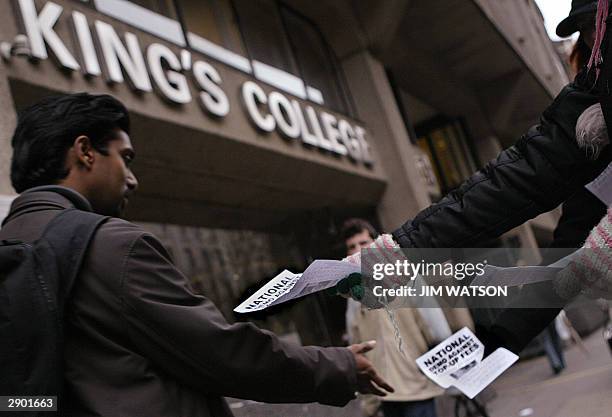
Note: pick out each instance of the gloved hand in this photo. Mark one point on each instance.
(350, 287)
(592, 132)
(384, 249)
(590, 272)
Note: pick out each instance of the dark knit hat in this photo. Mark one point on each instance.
(580, 8)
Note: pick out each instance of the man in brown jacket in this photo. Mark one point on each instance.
(138, 341)
(419, 329)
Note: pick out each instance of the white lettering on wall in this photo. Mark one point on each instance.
(308, 137)
(253, 95)
(349, 139)
(365, 146)
(122, 60)
(292, 121)
(330, 124)
(324, 143)
(284, 114)
(117, 56)
(212, 98)
(172, 83)
(88, 52)
(39, 28)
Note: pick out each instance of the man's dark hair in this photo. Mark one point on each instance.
(352, 227)
(46, 130)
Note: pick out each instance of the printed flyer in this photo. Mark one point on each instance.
(458, 361)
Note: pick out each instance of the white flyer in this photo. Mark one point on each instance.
(319, 276)
(515, 276)
(266, 295)
(521, 275)
(602, 186)
(458, 361)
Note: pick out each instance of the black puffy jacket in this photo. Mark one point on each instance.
(542, 170)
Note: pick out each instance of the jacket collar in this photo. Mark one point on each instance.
(47, 197)
(74, 197)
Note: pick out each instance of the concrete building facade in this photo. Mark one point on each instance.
(260, 125)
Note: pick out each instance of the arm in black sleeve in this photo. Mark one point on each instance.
(538, 173)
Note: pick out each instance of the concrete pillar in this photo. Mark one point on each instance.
(8, 117)
(375, 103)
(8, 120)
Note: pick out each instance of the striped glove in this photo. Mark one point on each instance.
(590, 272)
(383, 250)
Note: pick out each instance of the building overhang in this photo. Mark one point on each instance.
(215, 153)
(455, 56)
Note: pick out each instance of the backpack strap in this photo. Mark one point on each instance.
(69, 235)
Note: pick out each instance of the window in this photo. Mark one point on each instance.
(163, 7)
(278, 36)
(265, 31)
(212, 20)
(264, 34)
(423, 144)
(448, 160)
(315, 59)
(445, 142)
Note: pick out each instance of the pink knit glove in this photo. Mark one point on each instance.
(384, 249)
(590, 272)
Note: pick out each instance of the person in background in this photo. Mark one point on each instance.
(581, 19)
(419, 329)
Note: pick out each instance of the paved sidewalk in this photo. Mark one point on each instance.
(529, 388)
(254, 409)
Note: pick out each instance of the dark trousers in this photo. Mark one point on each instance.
(426, 408)
(553, 348)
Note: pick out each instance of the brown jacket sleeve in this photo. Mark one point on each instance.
(186, 336)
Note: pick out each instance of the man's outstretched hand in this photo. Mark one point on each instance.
(368, 380)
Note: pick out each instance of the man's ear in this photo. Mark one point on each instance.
(84, 152)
